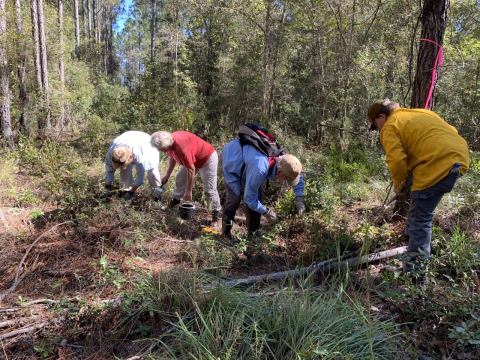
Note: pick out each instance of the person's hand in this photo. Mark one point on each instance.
(271, 217)
(165, 179)
(128, 196)
(188, 196)
(299, 205)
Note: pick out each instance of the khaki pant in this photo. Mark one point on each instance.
(208, 173)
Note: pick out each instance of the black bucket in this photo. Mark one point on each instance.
(187, 211)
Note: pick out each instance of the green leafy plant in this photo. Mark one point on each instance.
(110, 272)
(35, 214)
(43, 349)
(468, 333)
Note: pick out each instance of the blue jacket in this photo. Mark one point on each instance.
(255, 173)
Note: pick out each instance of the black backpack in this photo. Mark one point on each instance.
(261, 139)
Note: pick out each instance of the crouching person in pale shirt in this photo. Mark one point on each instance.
(129, 150)
(246, 166)
(195, 156)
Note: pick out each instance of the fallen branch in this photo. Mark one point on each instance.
(23, 330)
(40, 301)
(325, 267)
(19, 268)
(19, 320)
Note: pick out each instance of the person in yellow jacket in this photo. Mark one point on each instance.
(419, 141)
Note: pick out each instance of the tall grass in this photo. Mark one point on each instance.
(232, 324)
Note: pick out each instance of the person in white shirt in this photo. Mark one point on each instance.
(129, 150)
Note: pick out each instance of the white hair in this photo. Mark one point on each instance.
(162, 140)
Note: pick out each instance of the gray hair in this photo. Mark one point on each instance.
(162, 140)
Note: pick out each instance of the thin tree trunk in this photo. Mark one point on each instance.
(105, 47)
(275, 63)
(4, 91)
(36, 47)
(61, 119)
(434, 16)
(84, 23)
(44, 123)
(265, 60)
(77, 28)
(22, 88)
(153, 30)
(95, 23)
(89, 18)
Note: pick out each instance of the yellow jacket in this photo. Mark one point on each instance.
(422, 142)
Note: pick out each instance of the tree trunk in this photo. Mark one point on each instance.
(4, 91)
(95, 24)
(77, 28)
(22, 88)
(61, 119)
(44, 121)
(153, 30)
(265, 60)
(89, 19)
(433, 17)
(36, 47)
(84, 23)
(273, 80)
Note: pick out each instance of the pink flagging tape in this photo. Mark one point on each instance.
(438, 61)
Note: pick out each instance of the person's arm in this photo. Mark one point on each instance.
(190, 182)
(256, 171)
(171, 166)
(298, 189)
(109, 170)
(396, 156)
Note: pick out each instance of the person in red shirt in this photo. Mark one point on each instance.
(195, 156)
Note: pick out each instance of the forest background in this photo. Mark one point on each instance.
(74, 75)
(194, 65)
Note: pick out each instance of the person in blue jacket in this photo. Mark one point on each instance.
(247, 166)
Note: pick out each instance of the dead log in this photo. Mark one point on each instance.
(324, 267)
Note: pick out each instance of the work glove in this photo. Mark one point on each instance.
(108, 191)
(157, 193)
(128, 196)
(299, 205)
(271, 217)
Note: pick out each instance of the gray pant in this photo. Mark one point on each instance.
(208, 173)
(126, 178)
